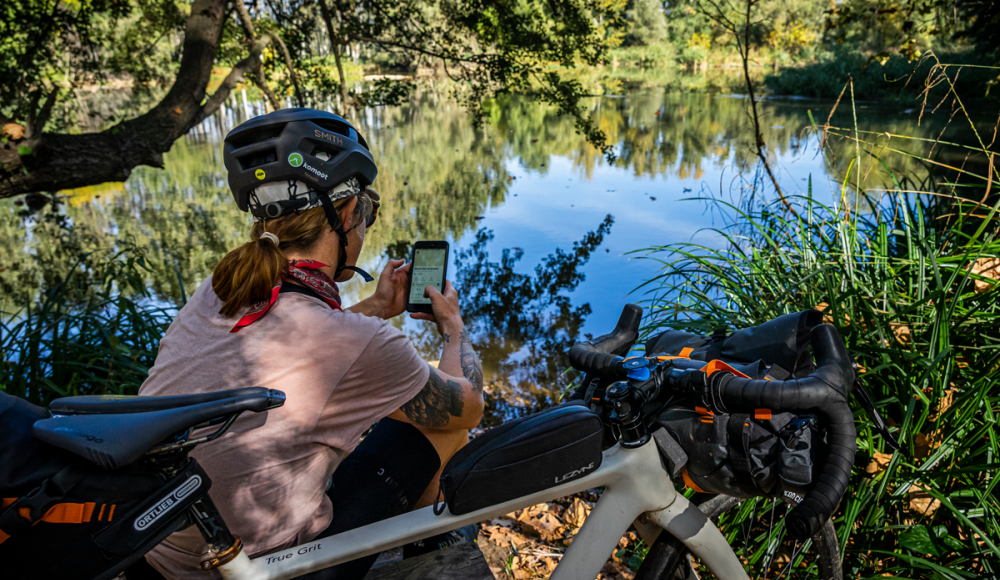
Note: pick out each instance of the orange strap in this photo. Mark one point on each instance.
(62, 513)
(762, 414)
(717, 365)
(690, 483)
(685, 353)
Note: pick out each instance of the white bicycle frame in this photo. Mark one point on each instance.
(636, 485)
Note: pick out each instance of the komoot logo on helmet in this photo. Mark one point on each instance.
(295, 160)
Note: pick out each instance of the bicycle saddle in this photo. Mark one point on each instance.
(113, 432)
(101, 404)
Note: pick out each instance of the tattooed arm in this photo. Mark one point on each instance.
(453, 395)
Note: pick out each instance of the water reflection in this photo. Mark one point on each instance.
(442, 177)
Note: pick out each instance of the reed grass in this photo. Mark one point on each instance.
(94, 333)
(906, 279)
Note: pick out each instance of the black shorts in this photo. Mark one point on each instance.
(382, 478)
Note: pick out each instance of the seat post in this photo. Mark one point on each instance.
(223, 545)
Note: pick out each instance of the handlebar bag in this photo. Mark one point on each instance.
(767, 453)
(84, 522)
(743, 455)
(524, 456)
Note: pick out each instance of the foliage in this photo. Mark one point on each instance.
(894, 79)
(49, 49)
(96, 339)
(647, 25)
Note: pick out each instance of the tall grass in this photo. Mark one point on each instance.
(896, 272)
(94, 333)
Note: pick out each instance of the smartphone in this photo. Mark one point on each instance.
(430, 267)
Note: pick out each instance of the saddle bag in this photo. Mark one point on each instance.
(64, 517)
(524, 456)
(765, 453)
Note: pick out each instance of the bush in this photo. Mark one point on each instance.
(895, 80)
(100, 341)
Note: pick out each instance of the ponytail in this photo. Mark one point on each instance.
(246, 275)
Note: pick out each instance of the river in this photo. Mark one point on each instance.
(523, 200)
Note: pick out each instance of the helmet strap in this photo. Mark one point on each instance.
(338, 228)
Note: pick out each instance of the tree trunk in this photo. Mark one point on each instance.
(61, 161)
(335, 45)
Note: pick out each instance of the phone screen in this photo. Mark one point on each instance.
(428, 270)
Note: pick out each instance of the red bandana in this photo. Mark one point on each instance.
(305, 272)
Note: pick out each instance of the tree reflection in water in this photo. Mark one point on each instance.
(522, 325)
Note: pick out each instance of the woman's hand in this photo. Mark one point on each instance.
(447, 314)
(390, 294)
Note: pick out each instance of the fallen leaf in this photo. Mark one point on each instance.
(922, 502)
(900, 331)
(987, 268)
(13, 130)
(879, 462)
(923, 445)
(944, 403)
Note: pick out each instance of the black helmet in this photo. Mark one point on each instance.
(317, 148)
(269, 157)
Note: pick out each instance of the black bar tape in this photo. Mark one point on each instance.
(603, 356)
(587, 358)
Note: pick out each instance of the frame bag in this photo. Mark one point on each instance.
(524, 456)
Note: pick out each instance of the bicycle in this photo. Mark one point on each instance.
(160, 431)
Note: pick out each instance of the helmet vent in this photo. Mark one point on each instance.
(244, 138)
(257, 159)
(323, 153)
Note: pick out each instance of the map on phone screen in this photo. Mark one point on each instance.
(428, 270)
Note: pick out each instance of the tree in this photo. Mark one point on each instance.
(75, 37)
(55, 46)
(649, 25)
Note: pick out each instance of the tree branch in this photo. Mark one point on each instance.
(258, 73)
(233, 78)
(289, 65)
(743, 45)
(335, 45)
(61, 161)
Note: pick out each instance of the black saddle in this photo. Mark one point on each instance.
(114, 431)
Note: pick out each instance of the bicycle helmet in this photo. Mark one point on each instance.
(296, 159)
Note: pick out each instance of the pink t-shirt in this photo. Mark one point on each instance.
(340, 372)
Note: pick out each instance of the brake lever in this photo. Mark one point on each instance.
(868, 403)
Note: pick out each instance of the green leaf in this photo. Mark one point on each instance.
(23, 150)
(635, 561)
(935, 542)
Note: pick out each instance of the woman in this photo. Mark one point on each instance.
(270, 315)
